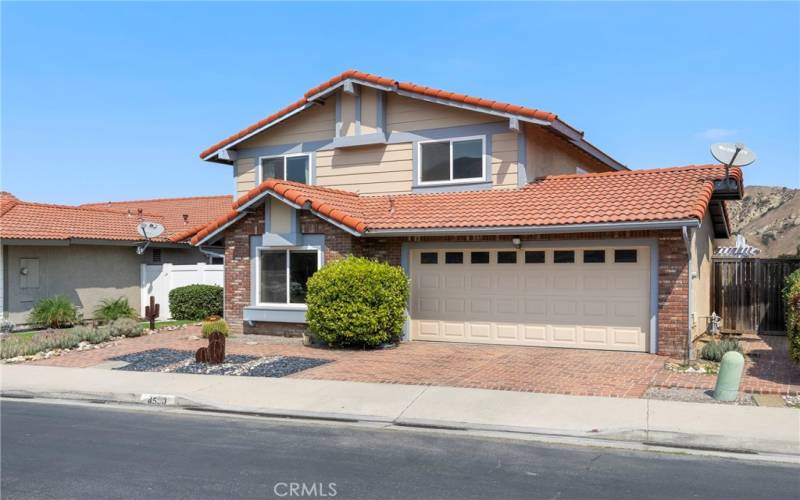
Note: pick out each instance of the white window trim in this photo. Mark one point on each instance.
(283, 305)
(471, 180)
(260, 170)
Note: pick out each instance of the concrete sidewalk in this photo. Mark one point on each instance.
(759, 429)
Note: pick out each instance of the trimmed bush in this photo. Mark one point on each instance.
(111, 309)
(54, 312)
(357, 302)
(195, 302)
(214, 326)
(127, 327)
(713, 351)
(791, 299)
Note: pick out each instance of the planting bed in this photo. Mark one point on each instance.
(174, 361)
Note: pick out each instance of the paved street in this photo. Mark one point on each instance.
(60, 451)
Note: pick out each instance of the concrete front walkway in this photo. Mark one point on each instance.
(775, 430)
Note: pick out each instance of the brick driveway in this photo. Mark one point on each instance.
(528, 369)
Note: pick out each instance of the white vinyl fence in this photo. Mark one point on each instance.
(159, 279)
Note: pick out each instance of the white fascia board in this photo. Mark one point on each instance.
(259, 130)
(560, 228)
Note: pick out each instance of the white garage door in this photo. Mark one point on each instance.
(588, 298)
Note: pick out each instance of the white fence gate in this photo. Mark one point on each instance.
(159, 279)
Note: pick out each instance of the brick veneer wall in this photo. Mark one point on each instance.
(673, 292)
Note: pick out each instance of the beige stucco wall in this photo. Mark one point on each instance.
(85, 274)
(550, 155)
(702, 250)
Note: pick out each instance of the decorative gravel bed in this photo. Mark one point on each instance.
(694, 396)
(174, 361)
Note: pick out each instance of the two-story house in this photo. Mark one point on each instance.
(512, 227)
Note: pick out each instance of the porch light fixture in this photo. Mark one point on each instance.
(517, 243)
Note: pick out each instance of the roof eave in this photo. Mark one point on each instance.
(540, 229)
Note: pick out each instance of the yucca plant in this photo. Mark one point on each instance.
(113, 309)
(54, 312)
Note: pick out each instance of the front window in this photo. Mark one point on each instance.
(284, 275)
(290, 168)
(456, 160)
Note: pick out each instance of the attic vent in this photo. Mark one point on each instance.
(156, 256)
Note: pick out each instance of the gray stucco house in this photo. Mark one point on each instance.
(88, 252)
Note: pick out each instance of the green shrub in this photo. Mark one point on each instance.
(713, 351)
(791, 299)
(54, 312)
(111, 309)
(127, 327)
(214, 326)
(357, 302)
(195, 302)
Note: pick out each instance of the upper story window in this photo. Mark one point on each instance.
(453, 160)
(290, 168)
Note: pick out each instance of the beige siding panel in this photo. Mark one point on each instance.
(373, 155)
(550, 155)
(504, 160)
(404, 114)
(280, 218)
(376, 188)
(245, 175)
(369, 170)
(355, 177)
(369, 110)
(348, 114)
(314, 124)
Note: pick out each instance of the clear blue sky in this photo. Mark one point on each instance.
(115, 101)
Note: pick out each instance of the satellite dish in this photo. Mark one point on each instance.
(732, 155)
(150, 229)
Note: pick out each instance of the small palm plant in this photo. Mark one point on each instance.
(114, 309)
(54, 312)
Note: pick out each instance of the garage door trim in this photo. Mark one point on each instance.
(651, 243)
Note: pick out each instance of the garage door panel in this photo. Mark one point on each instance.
(565, 334)
(535, 333)
(595, 335)
(429, 281)
(594, 309)
(594, 306)
(482, 331)
(506, 306)
(455, 305)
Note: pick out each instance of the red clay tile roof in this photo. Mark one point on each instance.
(676, 193)
(110, 221)
(198, 209)
(388, 82)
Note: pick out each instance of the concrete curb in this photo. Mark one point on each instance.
(784, 452)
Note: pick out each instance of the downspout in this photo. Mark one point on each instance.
(687, 240)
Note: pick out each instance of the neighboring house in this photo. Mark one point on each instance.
(512, 227)
(88, 252)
